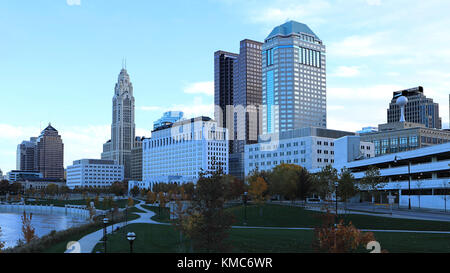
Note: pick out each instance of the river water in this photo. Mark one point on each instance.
(11, 225)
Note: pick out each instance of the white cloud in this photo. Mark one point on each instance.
(206, 88)
(375, 44)
(73, 2)
(347, 71)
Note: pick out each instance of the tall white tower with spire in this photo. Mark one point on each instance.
(123, 127)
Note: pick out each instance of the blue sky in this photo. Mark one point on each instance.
(60, 59)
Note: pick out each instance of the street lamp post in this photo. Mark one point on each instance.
(245, 208)
(396, 158)
(105, 222)
(335, 197)
(131, 236)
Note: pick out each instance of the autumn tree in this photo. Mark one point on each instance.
(257, 190)
(134, 191)
(130, 202)
(2, 244)
(206, 222)
(162, 202)
(28, 231)
(151, 197)
(118, 188)
(51, 189)
(343, 238)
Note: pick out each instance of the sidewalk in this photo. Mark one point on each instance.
(88, 242)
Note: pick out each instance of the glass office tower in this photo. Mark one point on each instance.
(294, 79)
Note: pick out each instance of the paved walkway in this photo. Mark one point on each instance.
(88, 242)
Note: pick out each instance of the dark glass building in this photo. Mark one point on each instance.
(26, 155)
(419, 108)
(50, 154)
(223, 88)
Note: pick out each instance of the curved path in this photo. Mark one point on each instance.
(88, 242)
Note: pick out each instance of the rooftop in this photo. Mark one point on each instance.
(291, 27)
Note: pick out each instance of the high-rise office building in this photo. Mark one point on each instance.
(248, 94)
(293, 79)
(223, 88)
(178, 152)
(136, 159)
(50, 154)
(419, 108)
(123, 126)
(26, 155)
(247, 101)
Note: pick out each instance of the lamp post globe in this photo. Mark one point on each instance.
(105, 222)
(131, 236)
(245, 208)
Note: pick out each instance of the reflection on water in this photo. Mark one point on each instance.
(11, 224)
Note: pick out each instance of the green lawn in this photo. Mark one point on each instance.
(165, 239)
(285, 216)
(162, 214)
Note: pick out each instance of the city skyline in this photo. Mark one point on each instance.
(69, 84)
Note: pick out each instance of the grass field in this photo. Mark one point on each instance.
(162, 214)
(286, 216)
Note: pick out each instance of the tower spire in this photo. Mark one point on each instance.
(124, 63)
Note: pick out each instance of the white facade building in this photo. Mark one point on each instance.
(309, 147)
(178, 152)
(96, 173)
(425, 182)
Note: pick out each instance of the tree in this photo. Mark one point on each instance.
(206, 222)
(161, 201)
(118, 188)
(2, 244)
(325, 182)
(28, 231)
(257, 191)
(341, 239)
(346, 186)
(130, 202)
(151, 198)
(305, 183)
(4, 187)
(15, 188)
(372, 181)
(419, 184)
(51, 189)
(134, 191)
(234, 187)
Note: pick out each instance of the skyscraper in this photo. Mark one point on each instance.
(50, 153)
(293, 79)
(419, 108)
(122, 140)
(26, 155)
(223, 88)
(248, 93)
